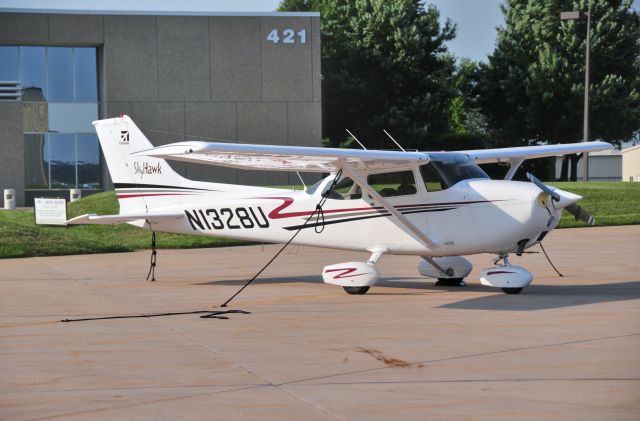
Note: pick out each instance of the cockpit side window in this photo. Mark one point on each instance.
(346, 189)
(398, 183)
(431, 178)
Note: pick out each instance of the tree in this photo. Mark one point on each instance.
(466, 117)
(384, 66)
(299, 5)
(532, 88)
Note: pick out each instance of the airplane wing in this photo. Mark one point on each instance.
(485, 156)
(313, 159)
(281, 158)
(93, 219)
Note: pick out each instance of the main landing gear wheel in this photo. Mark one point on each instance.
(451, 282)
(512, 290)
(356, 290)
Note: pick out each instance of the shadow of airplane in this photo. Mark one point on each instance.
(316, 279)
(543, 297)
(534, 297)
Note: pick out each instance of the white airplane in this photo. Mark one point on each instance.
(439, 206)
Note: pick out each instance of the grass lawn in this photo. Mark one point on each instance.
(21, 237)
(613, 203)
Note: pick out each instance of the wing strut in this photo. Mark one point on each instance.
(514, 164)
(404, 221)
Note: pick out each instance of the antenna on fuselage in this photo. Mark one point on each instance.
(356, 139)
(394, 141)
(301, 180)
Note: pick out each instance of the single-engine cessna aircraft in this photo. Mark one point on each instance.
(439, 206)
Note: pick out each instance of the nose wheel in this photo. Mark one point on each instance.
(451, 282)
(510, 279)
(356, 290)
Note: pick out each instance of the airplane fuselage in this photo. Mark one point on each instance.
(473, 216)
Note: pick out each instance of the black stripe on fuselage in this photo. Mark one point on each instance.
(404, 210)
(151, 186)
(381, 214)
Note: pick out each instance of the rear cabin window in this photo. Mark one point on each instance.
(389, 184)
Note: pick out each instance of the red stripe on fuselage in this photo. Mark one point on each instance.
(277, 212)
(346, 273)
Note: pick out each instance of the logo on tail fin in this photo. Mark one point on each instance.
(146, 168)
(124, 137)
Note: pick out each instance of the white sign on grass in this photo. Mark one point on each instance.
(50, 211)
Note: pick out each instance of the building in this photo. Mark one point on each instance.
(631, 164)
(603, 166)
(248, 77)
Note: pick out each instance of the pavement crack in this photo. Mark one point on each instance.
(460, 357)
(354, 383)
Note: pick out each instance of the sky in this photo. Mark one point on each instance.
(476, 19)
(476, 22)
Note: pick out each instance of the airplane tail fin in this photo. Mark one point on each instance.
(139, 181)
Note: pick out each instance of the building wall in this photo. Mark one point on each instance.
(178, 76)
(601, 167)
(12, 146)
(631, 164)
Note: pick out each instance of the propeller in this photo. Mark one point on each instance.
(551, 192)
(580, 214)
(558, 196)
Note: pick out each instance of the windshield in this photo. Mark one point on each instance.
(449, 169)
(312, 189)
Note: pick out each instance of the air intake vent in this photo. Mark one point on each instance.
(10, 90)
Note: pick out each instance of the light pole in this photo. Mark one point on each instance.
(578, 15)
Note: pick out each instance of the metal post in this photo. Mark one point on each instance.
(578, 15)
(585, 129)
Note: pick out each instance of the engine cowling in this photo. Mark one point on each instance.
(506, 277)
(350, 274)
(455, 266)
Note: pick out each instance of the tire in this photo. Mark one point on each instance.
(356, 290)
(451, 282)
(512, 290)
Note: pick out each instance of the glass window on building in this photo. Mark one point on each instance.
(60, 74)
(88, 161)
(59, 92)
(9, 64)
(34, 75)
(36, 161)
(62, 161)
(86, 75)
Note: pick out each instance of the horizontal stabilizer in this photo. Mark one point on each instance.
(93, 219)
